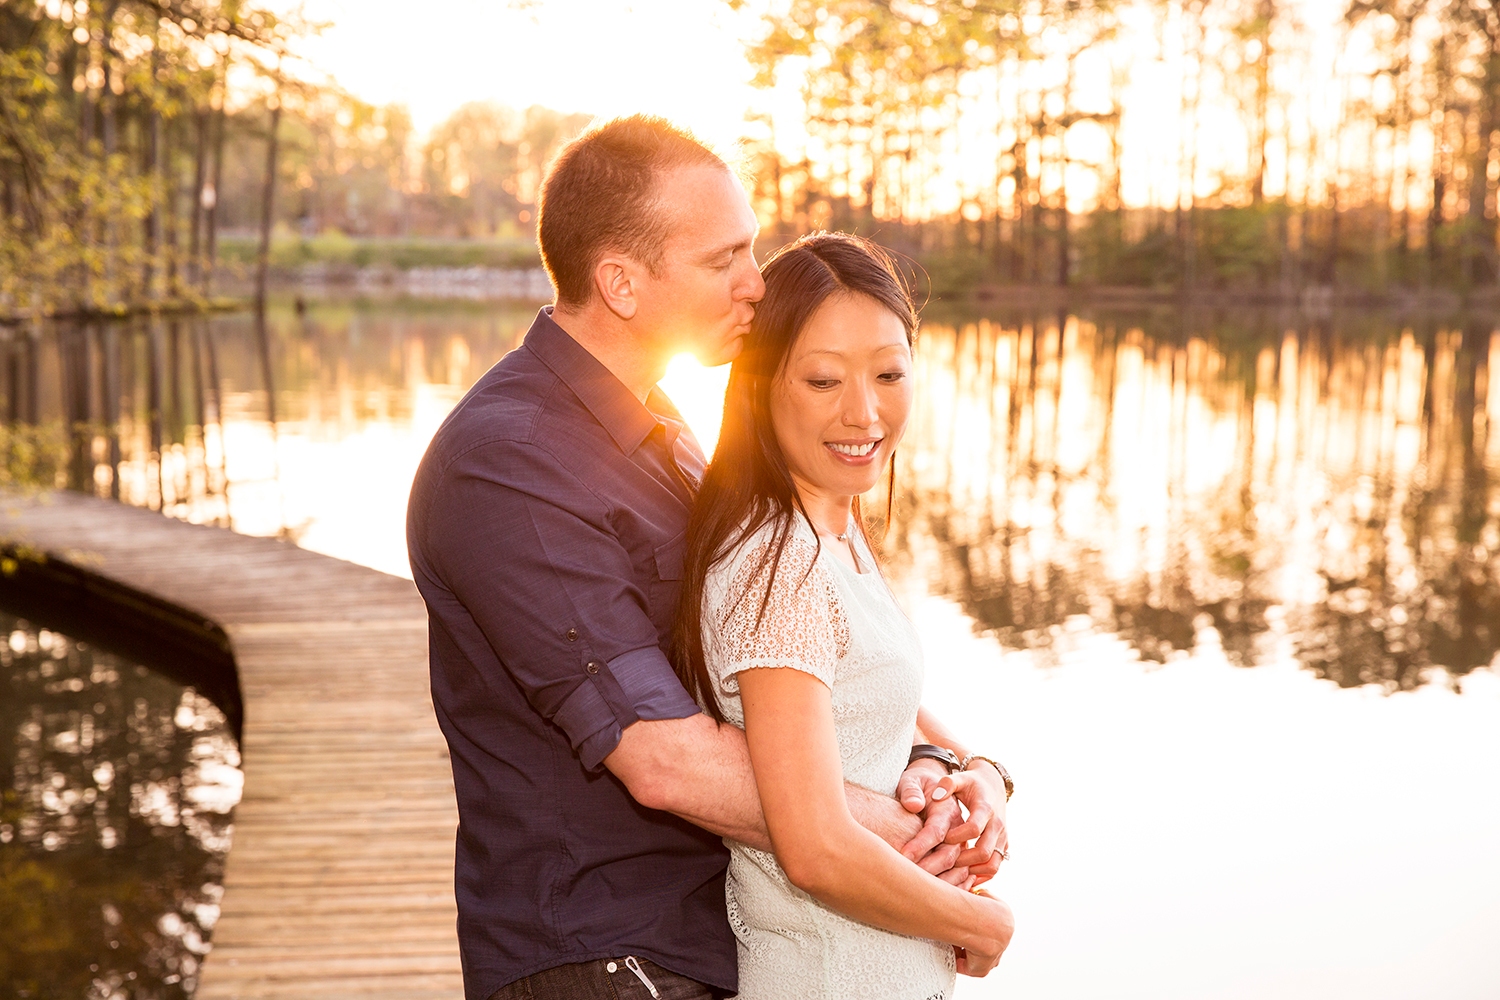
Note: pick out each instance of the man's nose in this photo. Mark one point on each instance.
(751, 285)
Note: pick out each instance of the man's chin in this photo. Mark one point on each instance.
(724, 355)
(733, 349)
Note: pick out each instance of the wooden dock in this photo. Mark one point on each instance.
(339, 883)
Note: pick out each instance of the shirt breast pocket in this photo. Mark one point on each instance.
(665, 585)
(668, 557)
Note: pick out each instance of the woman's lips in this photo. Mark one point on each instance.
(854, 452)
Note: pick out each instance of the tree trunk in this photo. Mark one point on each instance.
(1020, 166)
(267, 202)
(1439, 192)
(1064, 242)
(195, 223)
(110, 392)
(153, 171)
(211, 222)
(108, 128)
(154, 408)
(1479, 237)
(1330, 267)
(1401, 142)
(1265, 15)
(172, 218)
(216, 395)
(1190, 270)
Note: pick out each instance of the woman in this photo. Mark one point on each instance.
(788, 629)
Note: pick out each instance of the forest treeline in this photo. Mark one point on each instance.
(134, 134)
(1254, 144)
(996, 141)
(112, 129)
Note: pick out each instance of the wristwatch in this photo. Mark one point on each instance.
(1010, 786)
(942, 755)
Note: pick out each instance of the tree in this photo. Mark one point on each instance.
(94, 99)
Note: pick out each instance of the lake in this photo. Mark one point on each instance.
(1221, 587)
(115, 821)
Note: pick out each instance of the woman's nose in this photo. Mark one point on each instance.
(860, 409)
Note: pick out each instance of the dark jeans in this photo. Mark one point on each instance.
(595, 981)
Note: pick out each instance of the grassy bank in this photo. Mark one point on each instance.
(400, 253)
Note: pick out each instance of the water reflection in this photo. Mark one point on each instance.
(1180, 479)
(1258, 481)
(131, 411)
(307, 427)
(115, 822)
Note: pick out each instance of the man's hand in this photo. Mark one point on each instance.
(926, 789)
(917, 782)
(928, 847)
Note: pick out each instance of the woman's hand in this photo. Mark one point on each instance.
(998, 925)
(982, 793)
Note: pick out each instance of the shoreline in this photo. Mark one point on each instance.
(480, 284)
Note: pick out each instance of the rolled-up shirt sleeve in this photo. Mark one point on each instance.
(553, 592)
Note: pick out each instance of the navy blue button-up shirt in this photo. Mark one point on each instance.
(545, 530)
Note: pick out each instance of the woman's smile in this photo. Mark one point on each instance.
(854, 452)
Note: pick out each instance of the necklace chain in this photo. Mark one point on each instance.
(831, 534)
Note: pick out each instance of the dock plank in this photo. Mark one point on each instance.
(339, 883)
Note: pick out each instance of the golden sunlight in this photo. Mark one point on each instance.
(434, 68)
(698, 393)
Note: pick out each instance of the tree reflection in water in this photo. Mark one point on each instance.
(1272, 483)
(115, 822)
(1322, 490)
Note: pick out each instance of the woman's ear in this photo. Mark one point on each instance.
(614, 278)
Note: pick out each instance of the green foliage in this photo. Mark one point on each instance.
(33, 456)
(482, 167)
(949, 275)
(332, 246)
(344, 165)
(341, 164)
(97, 105)
(1237, 244)
(31, 897)
(118, 160)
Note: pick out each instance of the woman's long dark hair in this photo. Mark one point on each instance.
(748, 485)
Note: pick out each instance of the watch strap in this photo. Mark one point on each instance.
(929, 751)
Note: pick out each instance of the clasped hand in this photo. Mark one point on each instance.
(965, 851)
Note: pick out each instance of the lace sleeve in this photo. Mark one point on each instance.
(803, 627)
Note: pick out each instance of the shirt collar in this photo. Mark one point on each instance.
(597, 388)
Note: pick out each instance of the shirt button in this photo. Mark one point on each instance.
(572, 634)
(592, 666)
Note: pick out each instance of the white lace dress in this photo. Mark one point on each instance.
(845, 629)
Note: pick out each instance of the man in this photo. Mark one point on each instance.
(545, 531)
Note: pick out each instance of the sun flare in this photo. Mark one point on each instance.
(698, 393)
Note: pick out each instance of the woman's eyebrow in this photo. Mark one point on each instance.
(840, 354)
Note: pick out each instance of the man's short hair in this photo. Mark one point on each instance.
(600, 197)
